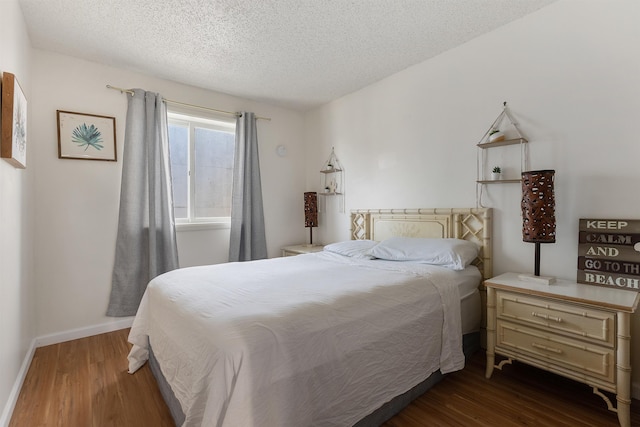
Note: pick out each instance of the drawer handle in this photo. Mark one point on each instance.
(547, 317)
(544, 347)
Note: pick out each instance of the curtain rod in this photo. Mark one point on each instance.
(130, 91)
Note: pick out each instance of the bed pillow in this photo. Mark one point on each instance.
(352, 248)
(455, 254)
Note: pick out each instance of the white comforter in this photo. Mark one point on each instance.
(310, 340)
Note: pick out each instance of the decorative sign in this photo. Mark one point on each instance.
(609, 253)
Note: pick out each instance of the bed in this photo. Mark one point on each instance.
(323, 339)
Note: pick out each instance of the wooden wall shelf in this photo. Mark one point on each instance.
(499, 181)
(503, 142)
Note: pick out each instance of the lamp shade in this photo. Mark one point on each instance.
(311, 209)
(538, 207)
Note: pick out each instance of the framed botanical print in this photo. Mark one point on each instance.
(86, 136)
(13, 129)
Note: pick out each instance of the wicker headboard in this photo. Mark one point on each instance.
(472, 224)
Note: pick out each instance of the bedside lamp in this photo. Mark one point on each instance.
(311, 212)
(538, 215)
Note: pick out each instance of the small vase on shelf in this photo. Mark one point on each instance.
(496, 135)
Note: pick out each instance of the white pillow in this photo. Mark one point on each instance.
(352, 248)
(455, 254)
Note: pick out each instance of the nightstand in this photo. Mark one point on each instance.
(582, 332)
(301, 249)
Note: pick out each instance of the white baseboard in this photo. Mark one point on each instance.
(42, 341)
(15, 391)
(89, 331)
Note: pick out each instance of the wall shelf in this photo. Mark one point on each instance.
(331, 171)
(499, 181)
(332, 180)
(502, 143)
(485, 144)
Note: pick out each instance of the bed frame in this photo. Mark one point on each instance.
(473, 224)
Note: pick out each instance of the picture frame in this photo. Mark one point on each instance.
(13, 127)
(83, 136)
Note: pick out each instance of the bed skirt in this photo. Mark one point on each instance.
(470, 343)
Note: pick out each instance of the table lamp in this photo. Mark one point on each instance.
(311, 212)
(538, 215)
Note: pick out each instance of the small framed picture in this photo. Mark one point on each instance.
(13, 137)
(86, 136)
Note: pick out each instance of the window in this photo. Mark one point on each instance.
(201, 151)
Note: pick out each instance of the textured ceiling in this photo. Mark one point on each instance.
(293, 53)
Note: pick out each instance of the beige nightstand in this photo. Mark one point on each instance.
(582, 332)
(301, 249)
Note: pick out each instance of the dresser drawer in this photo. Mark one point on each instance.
(578, 356)
(570, 319)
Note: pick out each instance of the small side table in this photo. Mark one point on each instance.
(582, 332)
(301, 249)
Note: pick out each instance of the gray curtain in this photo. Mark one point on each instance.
(247, 240)
(146, 240)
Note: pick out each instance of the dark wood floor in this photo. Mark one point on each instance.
(84, 383)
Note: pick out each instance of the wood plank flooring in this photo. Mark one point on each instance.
(84, 383)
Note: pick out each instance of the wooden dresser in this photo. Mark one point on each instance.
(582, 332)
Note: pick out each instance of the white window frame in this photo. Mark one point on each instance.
(191, 121)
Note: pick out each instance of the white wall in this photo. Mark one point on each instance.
(17, 320)
(569, 71)
(571, 75)
(78, 200)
